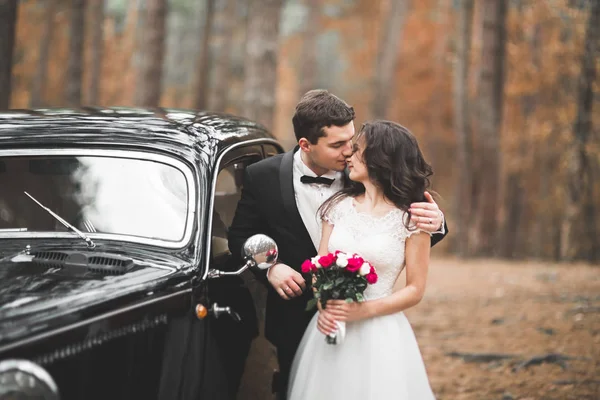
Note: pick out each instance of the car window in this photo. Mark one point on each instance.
(98, 194)
(270, 150)
(228, 192)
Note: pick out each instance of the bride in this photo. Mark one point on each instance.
(379, 357)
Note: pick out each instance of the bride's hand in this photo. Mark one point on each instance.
(325, 322)
(343, 311)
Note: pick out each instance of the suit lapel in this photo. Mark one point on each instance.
(286, 182)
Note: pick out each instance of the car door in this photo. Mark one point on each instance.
(244, 295)
(232, 333)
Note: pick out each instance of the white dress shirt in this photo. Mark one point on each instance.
(310, 196)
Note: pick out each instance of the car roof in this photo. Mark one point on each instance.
(181, 131)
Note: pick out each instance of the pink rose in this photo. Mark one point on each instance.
(371, 278)
(327, 261)
(306, 267)
(354, 263)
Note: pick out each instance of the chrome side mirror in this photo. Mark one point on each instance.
(259, 251)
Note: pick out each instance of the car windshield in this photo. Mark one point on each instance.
(130, 194)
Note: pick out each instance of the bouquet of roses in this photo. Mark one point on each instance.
(338, 276)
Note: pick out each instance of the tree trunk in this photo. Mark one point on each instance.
(8, 23)
(75, 63)
(308, 61)
(148, 87)
(491, 84)
(204, 61)
(590, 215)
(437, 100)
(576, 229)
(387, 57)
(261, 68)
(41, 73)
(97, 47)
(462, 127)
(543, 228)
(221, 37)
(515, 226)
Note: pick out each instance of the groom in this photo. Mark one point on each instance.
(280, 198)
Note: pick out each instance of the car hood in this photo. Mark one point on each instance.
(34, 290)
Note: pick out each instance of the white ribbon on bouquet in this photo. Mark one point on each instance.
(339, 335)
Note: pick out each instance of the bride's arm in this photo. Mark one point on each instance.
(325, 234)
(417, 251)
(325, 322)
(323, 246)
(417, 265)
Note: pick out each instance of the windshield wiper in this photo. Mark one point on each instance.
(82, 235)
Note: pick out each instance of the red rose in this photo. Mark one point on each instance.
(354, 264)
(327, 260)
(371, 278)
(306, 267)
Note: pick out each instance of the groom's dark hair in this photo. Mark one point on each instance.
(318, 109)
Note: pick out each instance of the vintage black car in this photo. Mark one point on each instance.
(115, 277)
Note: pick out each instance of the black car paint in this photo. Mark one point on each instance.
(137, 336)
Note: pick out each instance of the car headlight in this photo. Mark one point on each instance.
(25, 380)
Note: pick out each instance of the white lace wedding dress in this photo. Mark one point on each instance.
(379, 358)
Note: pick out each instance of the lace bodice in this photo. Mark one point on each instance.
(379, 240)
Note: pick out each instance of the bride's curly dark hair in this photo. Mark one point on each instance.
(394, 163)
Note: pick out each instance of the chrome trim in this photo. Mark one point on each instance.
(132, 154)
(88, 321)
(99, 339)
(213, 188)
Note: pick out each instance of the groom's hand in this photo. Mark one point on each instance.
(287, 282)
(427, 215)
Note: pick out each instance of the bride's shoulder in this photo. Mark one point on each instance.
(404, 226)
(343, 204)
(337, 209)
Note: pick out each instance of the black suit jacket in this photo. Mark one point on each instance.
(268, 206)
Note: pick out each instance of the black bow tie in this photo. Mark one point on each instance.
(316, 179)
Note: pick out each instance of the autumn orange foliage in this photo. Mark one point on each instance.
(543, 53)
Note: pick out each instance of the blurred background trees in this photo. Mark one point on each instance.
(502, 94)
(8, 19)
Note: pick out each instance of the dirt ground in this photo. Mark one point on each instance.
(485, 310)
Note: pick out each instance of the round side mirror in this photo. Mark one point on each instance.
(261, 250)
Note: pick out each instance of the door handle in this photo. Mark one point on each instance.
(216, 311)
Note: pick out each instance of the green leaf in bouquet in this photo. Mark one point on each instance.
(340, 280)
(360, 297)
(327, 286)
(312, 303)
(324, 299)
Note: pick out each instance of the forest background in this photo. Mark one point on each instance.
(501, 94)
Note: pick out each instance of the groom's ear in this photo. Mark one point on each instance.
(304, 144)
